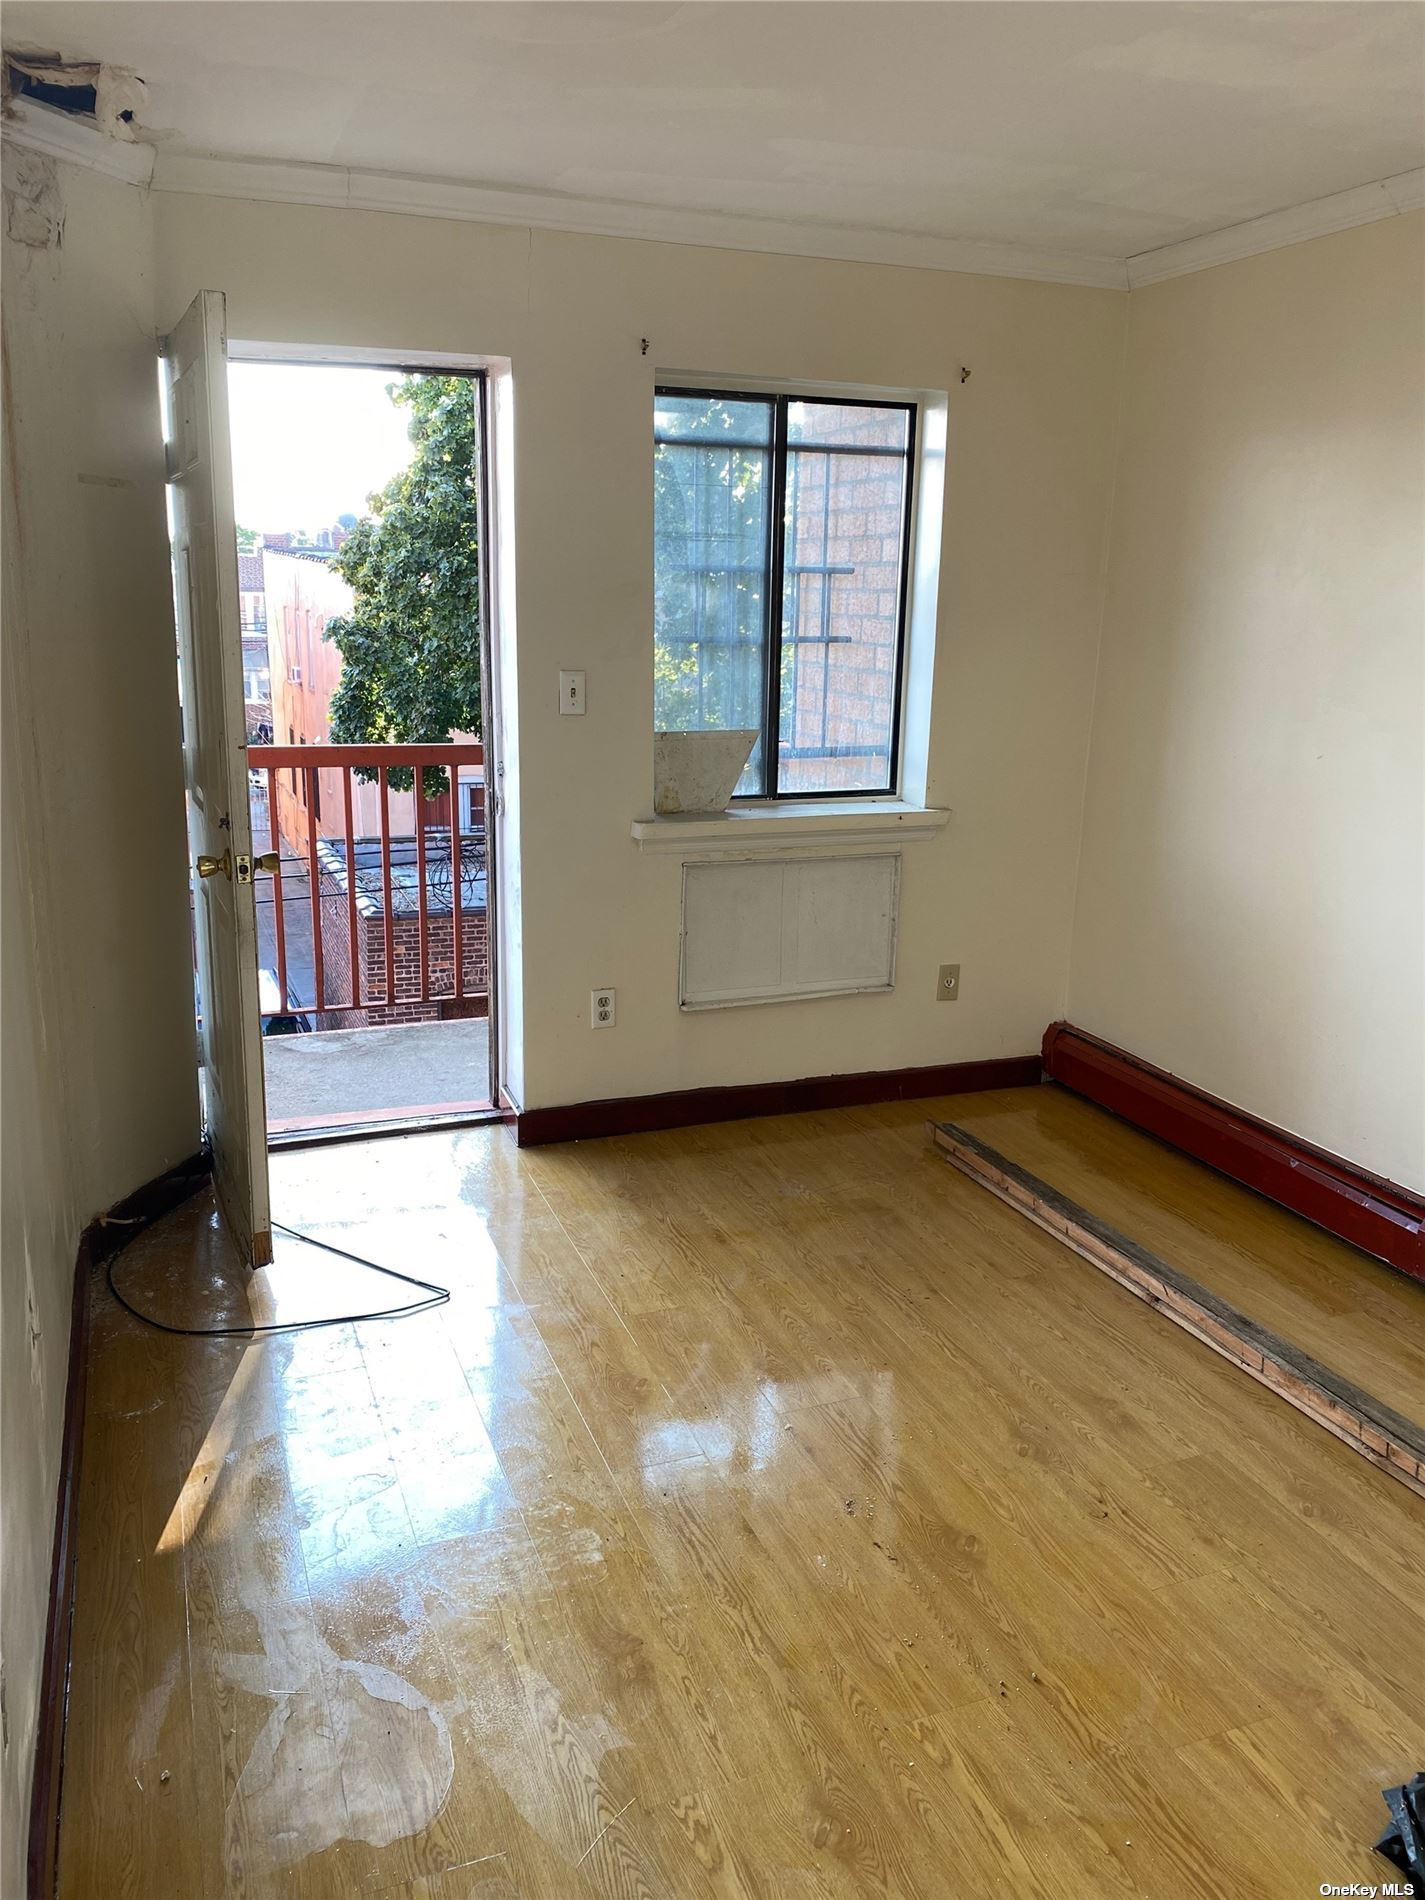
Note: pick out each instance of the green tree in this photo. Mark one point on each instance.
(248, 540)
(410, 647)
(709, 537)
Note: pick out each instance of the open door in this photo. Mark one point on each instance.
(215, 764)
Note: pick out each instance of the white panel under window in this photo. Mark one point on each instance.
(771, 930)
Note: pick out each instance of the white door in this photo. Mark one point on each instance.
(215, 760)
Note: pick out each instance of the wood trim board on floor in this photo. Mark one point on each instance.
(1372, 1213)
(1390, 1441)
(685, 1108)
(100, 1240)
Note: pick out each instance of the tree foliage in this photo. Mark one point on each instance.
(710, 529)
(410, 647)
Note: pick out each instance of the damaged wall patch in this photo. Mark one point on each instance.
(110, 97)
(34, 207)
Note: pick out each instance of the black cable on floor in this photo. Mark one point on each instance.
(438, 1296)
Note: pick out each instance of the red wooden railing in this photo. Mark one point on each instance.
(364, 876)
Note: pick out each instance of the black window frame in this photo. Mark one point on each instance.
(774, 553)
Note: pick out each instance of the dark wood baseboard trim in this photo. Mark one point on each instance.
(54, 1674)
(1373, 1214)
(642, 1114)
(1390, 1441)
(100, 1240)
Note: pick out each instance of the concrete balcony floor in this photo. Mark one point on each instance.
(338, 1078)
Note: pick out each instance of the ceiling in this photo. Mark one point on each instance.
(1106, 129)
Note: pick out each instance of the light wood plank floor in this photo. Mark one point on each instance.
(1361, 1318)
(771, 1513)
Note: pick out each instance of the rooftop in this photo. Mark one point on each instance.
(405, 873)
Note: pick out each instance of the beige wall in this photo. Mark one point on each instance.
(1250, 898)
(39, 1226)
(98, 1064)
(1030, 445)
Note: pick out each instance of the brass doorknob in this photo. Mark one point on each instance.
(267, 861)
(209, 866)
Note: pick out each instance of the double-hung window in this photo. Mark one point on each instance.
(781, 560)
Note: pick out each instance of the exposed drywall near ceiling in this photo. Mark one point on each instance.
(1250, 896)
(1107, 129)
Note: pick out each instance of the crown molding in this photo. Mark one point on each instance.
(40, 128)
(333, 185)
(1365, 204)
(1407, 190)
(33, 127)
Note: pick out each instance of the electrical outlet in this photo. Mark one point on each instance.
(947, 984)
(602, 1008)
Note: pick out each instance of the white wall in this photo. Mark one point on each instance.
(1250, 900)
(98, 1060)
(1030, 446)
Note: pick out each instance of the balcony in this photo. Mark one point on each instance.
(373, 933)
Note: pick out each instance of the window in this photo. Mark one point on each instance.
(781, 542)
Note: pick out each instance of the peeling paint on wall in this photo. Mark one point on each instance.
(34, 204)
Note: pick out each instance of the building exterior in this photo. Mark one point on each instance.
(396, 998)
(303, 593)
(256, 671)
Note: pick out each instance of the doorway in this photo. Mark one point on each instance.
(360, 496)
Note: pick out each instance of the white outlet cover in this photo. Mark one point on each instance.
(603, 1008)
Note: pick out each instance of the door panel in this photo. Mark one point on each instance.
(215, 765)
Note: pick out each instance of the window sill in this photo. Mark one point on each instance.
(761, 829)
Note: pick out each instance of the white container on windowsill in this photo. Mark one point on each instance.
(696, 772)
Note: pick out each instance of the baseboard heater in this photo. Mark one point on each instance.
(1371, 1213)
(1391, 1442)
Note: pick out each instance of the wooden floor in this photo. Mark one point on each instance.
(1357, 1316)
(771, 1513)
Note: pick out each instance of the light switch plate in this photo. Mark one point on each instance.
(947, 984)
(571, 693)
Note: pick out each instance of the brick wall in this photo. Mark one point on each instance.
(847, 511)
(371, 950)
